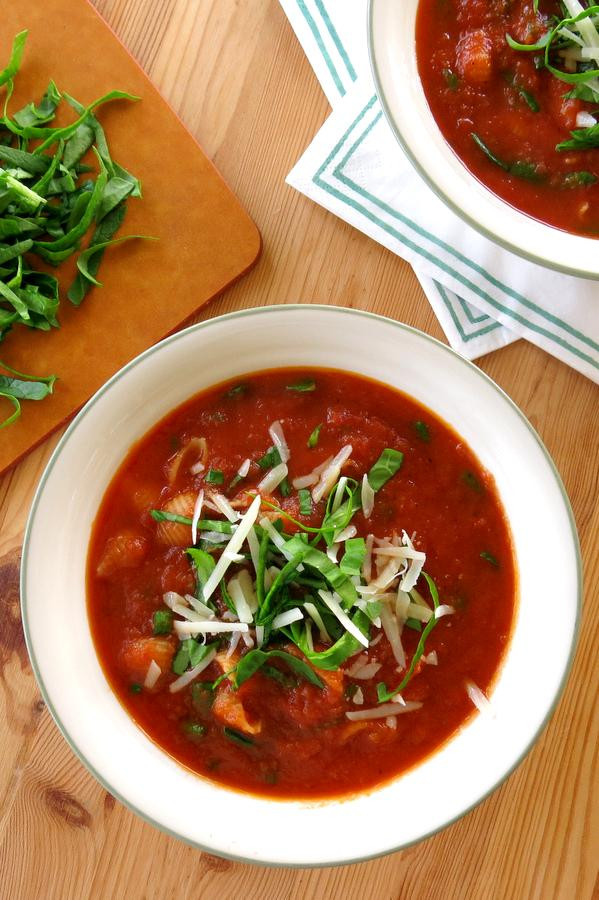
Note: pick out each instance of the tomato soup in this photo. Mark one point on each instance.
(300, 584)
(506, 110)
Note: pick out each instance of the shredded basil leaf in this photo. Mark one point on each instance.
(302, 386)
(162, 621)
(215, 476)
(271, 458)
(489, 558)
(237, 737)
(353, 559)
(313, 439)
(255, 659)
(305, 502)
(388, 463)
(422, 430)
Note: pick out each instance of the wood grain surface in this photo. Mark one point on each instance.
(235, 73)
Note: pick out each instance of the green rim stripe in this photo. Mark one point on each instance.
(321, 46)
(454, 273)
(236, 316)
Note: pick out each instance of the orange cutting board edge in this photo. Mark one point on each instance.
(206, 240)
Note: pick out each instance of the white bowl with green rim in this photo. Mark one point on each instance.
(392, 50)
(237, 825)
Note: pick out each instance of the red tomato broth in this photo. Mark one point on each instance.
(482, 95)
(307, 748)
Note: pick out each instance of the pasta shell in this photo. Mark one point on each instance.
(122, 551)
(173, 534)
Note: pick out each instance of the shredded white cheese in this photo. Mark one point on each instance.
(391, 629)
(339, 494)
(311, 478)
(199, 607)
(317, 618)
(382, 711)
(244, 468)
(152, 675)
(242, 607)
(335, 607)
(287, 617)
(479, 699)
(331, 474)
(207, 627)
(254, 546)
(444, 610)
(225, 507)
(197, 511)
(366, 672)
(188, 677)
(345, 534)
(273, 478)
(278, 439)
(233, 644)
(235, 544)
(367, 497)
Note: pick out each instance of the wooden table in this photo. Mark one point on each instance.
(236, 75)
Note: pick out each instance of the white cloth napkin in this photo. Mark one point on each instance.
(483, 296)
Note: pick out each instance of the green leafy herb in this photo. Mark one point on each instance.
(451, 79)
(286, 681)
(388, 463)
(472, 481)
(237, 391)
(135, 688)
(202, 697)
(305, 502)
(23, 387)
(162, 621)
(284, 487)
(320, 562)
(194, 730)
(190, 653)
(49, 200)
(215, 476)
(489, 558)
(335, 655)
(581, 139)
(422, 430)
(578, 179)
(520, 168)
(203, 565)
(271, 458)
(255, 659)
(237, 737)
(414, 624)
(350, 691)
(353, 558)
(313, 439)
(161, 515)
(302, 386)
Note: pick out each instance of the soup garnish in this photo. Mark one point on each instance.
(276, 625)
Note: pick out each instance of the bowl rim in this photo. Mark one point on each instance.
(156, 348)
(512, 246)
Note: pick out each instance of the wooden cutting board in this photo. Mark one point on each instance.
(206, 240)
